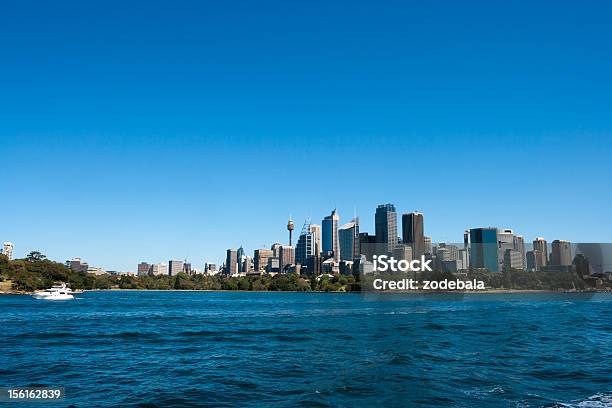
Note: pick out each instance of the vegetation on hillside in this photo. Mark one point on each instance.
(36, 272)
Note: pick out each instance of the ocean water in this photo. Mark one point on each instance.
(190, 349)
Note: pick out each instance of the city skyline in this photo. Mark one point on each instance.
(408, 230)
(203, 125)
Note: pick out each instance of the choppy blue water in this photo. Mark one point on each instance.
(188, 349)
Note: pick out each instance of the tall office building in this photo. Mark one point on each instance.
(316, 233)
(143, 268)
(7, 249)
(535, 260)
(175, 267)
(275, 248)
(402, 251)
(428, 245)
(513, 259)
(231, 262)
(540, 244)
(519, 245)
(451, 252)
(306, 244)
(187, 268)
(261, 259)
(348, 234)
(286, 257)
(331, 245)
(561, 253)
(483, 249)
(413, 233)
(505, 241)
(240, 255)
(247, 265)
(385, 223)
(367, 245)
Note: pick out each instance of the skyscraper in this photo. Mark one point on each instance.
(275, 248)
(540, 244)
(306, 244)
(519, 245)
(483, 249)
(7, 249)
(175, 267)
(349, 241)
(413, 233)
(286, 257)
(231, 262)
(316, 233)
(561, 254)
(535, 260)
(261, 259)
(385, 222)
(505, 241)
(330, 235)
(428, 245)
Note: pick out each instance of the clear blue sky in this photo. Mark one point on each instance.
(153, 130)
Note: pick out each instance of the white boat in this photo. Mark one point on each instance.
(56, 292)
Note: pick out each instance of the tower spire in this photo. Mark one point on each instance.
(290, 227)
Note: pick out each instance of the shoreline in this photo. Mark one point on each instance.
(416, 292)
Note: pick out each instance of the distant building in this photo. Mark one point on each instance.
(348, 234)
(402, 251)
(428, 247)
(231, 262)
(76, 265)
(561, 254)
(513, 259)
(261, 259)
(447, 251)
(331, 245)
(519, 245)
(483, 249)
(306, 244)
(413, 233)
(275, 247)
(143, 268)
(535, 260)
(286, 257)
(240, 255)
(367, 245)
(96, 270)
(247, 265)
(583, 267)
(539, 244)
(505, 241)
(385, 223)
(7, 249)
(272, 264)
(187, 268)
(316, 233)
(463, 260)
(175, 267)
(210, 268)
(159, 269)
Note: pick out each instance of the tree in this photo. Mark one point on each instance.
(35, 256)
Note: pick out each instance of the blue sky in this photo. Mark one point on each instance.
(152, 130)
